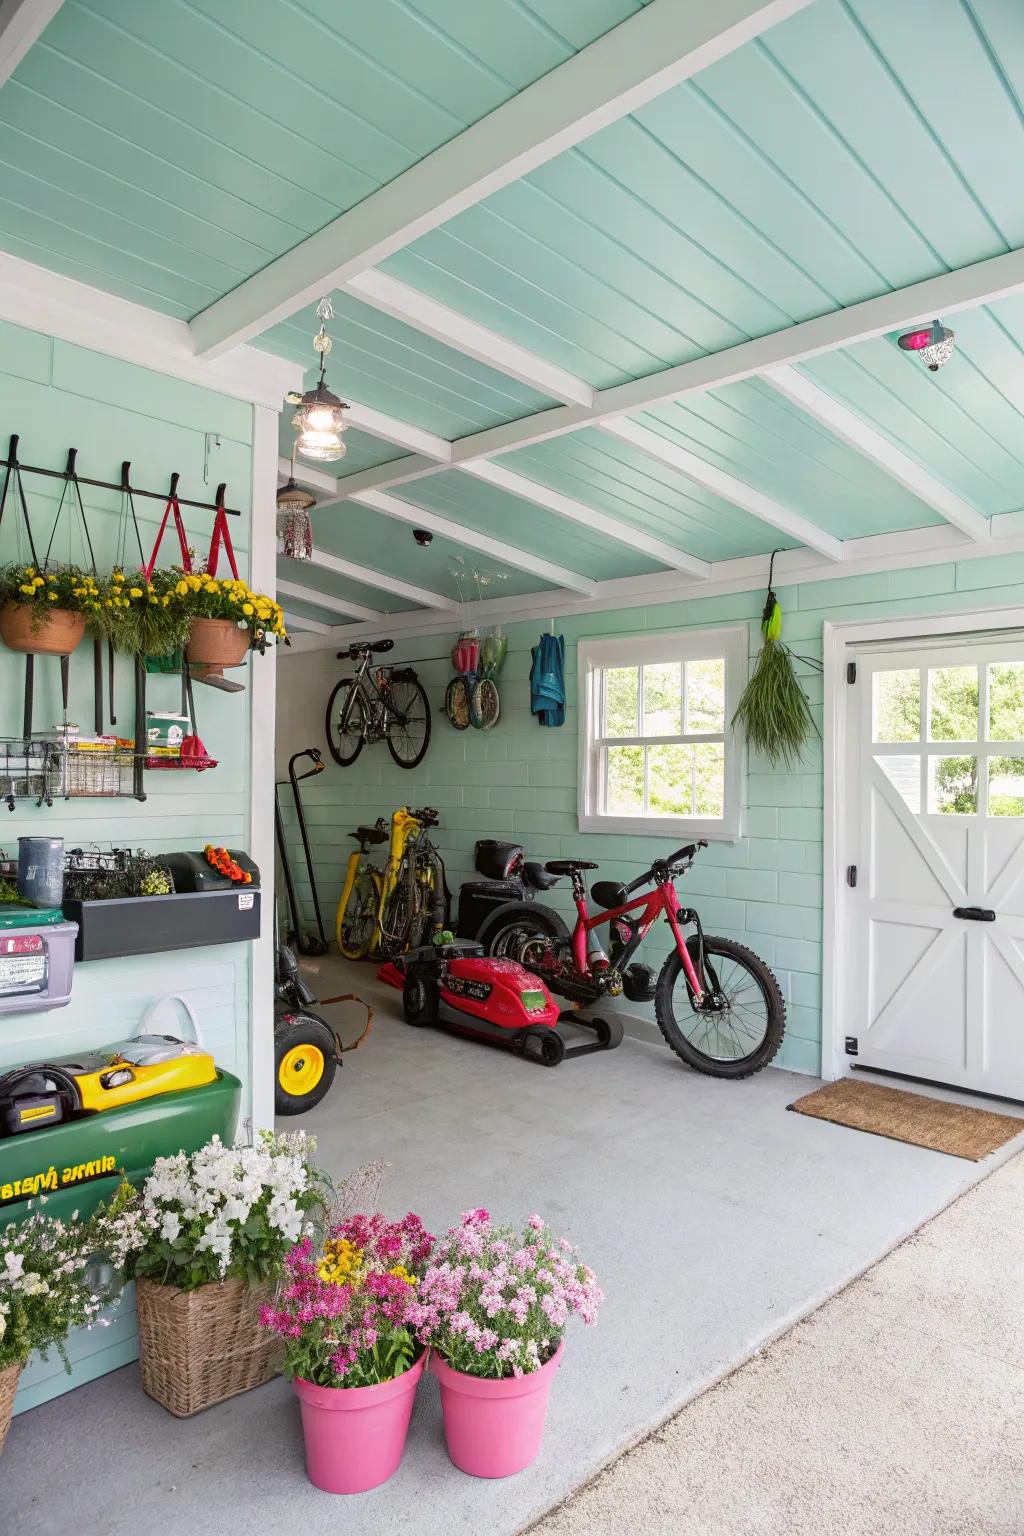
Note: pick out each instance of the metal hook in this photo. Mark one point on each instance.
(69, 473)
(12, 452)
(173, 492)
(125, 468)
(222, 491)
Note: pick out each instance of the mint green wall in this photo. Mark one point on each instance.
(57, 396)
(519, 781)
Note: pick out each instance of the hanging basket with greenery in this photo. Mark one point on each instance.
(774, 711)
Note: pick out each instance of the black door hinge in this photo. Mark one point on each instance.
(852, 1047)
(851, 875)
(851, 671)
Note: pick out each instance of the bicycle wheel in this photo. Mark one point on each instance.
(484, 704)
(346, 722)
(356, 926)
(742, 1033)
(408, 723)
(456, 703)
(396, 921)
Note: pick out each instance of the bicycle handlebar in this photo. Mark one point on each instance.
(689, 853)
(428, 816)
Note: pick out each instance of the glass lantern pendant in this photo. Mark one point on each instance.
(319, 420)
(294, 528)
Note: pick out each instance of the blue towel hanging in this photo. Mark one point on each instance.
(547, 680)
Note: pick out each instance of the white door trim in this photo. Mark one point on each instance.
(838, 641)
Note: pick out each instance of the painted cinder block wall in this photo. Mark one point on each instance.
(520, 780)
(56, 396)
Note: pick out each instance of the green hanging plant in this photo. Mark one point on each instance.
(774, 710)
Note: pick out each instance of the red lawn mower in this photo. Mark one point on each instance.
(455, 984)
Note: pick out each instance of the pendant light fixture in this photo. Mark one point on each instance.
(319, 421)
(933, 342)
(294, 528)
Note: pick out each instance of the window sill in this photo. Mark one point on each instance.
(660, 826)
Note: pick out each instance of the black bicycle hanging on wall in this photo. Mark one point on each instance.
(378, 704)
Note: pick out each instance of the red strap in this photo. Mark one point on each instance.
(220, 531)
(186, 563)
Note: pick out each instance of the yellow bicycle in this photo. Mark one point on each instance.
(391, 909)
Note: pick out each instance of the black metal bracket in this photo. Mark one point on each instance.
(12, 462)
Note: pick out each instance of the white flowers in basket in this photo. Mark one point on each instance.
(222, 1211)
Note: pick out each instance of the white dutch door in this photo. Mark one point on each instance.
(934, 986)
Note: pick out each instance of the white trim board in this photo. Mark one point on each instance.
(648, 53)
(836, 640)
(22, 22)
(39, 300)
(329, 603)
(386, 583)
(939, 544)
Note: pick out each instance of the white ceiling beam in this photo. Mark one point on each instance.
(722, 484)
(587, 517)
(470, 538)
(305, 474)
(21, 23)
(327, 601)
(402, 433)
(647, 54)
(858, 434)
(373, 578)
(294, 621)
(464, 335)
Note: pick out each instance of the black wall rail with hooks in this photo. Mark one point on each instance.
(13, 463)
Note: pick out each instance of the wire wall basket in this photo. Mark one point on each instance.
(29, 770)
(96, 771)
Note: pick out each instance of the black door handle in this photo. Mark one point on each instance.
(975, 914)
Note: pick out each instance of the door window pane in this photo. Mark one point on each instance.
(663, 699)
(904, 774)
(896, 706)
(621, 699)
(953, 786)
(1006, 701)
(1006, 786)
(705, 695)
(954, 703)
(624, 781)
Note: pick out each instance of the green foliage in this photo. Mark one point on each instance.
(144, 618)
(139, 875)
(44, 1290)
(58, 587)
(774, 711)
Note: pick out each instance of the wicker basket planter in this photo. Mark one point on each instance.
(8, 1386)
(55, 633)
(217, 643)
(197, 1348)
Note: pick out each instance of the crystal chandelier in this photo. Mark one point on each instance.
(934, 342)
(319, 421)
(294, 528)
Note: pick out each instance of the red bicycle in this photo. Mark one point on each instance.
(718, 1005)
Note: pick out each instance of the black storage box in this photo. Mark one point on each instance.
(142, 925)
(479, 898)
(193, 872)
(497, 861)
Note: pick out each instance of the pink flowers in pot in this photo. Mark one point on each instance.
(348, 1310)
(495, 1302)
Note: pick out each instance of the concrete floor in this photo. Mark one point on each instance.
(898, 1406)
(714, 1220)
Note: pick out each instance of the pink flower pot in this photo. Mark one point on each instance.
(494, 1428)
(355, 1436)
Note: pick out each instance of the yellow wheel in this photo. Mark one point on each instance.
(356, 923)
(304, 1053)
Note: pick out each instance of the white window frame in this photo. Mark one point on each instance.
(597, 655)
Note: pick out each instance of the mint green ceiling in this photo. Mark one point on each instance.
(304, 574)
(388, 365)
(848, 152)
(495, 512)
(614, 477)
(168, 149)
(165, 151)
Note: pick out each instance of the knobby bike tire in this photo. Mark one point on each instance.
(352, 702)
(762, 980)
(393, 729)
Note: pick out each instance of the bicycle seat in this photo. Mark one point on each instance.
(567, 866)
(538, 877)
(369, 835)
(608, 894)
(366, 647)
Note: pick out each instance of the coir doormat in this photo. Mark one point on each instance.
(958, 1129)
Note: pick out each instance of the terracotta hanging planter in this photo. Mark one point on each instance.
(56, 633)
(218, 643)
